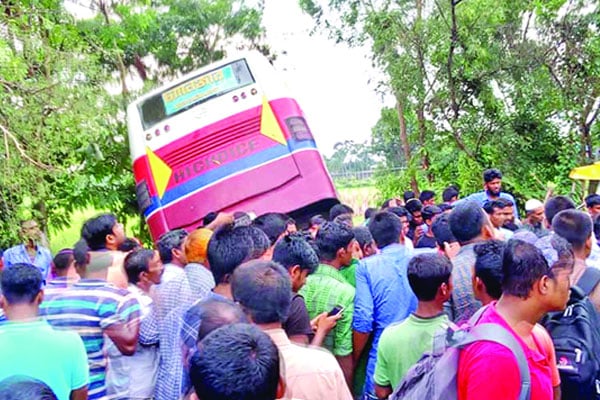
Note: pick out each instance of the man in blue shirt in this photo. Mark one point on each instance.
(383, 294)
(30, 251)
(492, 190)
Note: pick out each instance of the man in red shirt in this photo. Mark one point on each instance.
(530, 289)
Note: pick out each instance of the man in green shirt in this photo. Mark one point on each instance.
(326, 288)
(402, 344)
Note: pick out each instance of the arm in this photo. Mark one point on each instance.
(322, 325)
(79, 394)
(362, 322)
(359, 341)
(382, 392)
(347, 366)
(124, 336)
(557, 392)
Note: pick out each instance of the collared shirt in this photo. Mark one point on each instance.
(173, 298)
(383, 296)
(37, 350)
(310, 373)
(482, 197)
(88, 308)
(488, 370)
(134, 377)
(463, 302)
(18, 254)
(200, 279)
(325, 289)
(539, 229)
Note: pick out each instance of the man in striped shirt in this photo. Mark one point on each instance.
(93, 308)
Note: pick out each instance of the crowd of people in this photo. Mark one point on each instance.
(245, 308)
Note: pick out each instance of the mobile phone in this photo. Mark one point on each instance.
(336, 310)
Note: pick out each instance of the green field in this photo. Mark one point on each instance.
(359, 198)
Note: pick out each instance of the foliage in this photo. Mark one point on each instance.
(64, 138)
(478, 84)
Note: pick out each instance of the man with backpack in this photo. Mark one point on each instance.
(429, 278)
(576, 227)
(530, 289)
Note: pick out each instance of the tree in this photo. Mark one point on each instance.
(64, 141)
(510, 84)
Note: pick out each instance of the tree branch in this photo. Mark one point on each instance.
(8, 135)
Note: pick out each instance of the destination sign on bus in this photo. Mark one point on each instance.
(215, 82)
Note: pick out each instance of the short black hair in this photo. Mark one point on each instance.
(504, 202)
(227, 249)
(237, 361)
(445, 206)
(413, 205)
(95, 230)
(449, 193)
(429, 212)
(426, 195)
(488, 265)
(208, 218)
(369, 212)
(363, 236)
(21, 283)
(426, 272)
(386, 203)
(407, 195)
(385, 227)
(273, 224)
(490, 205)
(441, 230)
(317, 220)
(399, 211)
(491, 174)
(573, 225)
(260, 240)
(592, 200)
(19, 387)
(214, 313)
(63, 259)
(264, 290)
(466, 221)
(556, 204)
(597, 226)
(293, 249)
(169, 241)
(339, 209)
(137, 262)
(330, 238)
(80, 253)
(522, 265)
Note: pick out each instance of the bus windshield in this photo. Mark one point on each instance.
(194, 91)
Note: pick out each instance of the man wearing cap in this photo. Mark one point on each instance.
(534, 220)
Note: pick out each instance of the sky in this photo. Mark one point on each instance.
(330, 82)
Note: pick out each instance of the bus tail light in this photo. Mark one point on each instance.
(167, 128)
(253, 91)
(157, 132)
(243, 95)
(298, 128)
(235, 99)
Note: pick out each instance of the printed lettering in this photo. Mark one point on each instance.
(179, 176)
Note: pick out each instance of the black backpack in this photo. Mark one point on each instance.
(576, 336)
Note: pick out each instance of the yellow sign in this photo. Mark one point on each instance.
(269, 125)
(161, 172)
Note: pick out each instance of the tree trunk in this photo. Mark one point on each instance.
(405, 145)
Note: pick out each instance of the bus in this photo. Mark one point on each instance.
(226, 137)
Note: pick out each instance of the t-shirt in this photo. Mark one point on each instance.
(488, 370)
(88, 308)
(298, 321)
(402, 344)
(37, 350)
(325, 289)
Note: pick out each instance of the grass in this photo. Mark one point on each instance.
(359, 198)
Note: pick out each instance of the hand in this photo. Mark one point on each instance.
(418, 234)
(451, 249)
(324, 323)
(222, 219)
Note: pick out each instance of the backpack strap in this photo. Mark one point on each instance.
(498, 334)
(589, 280)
